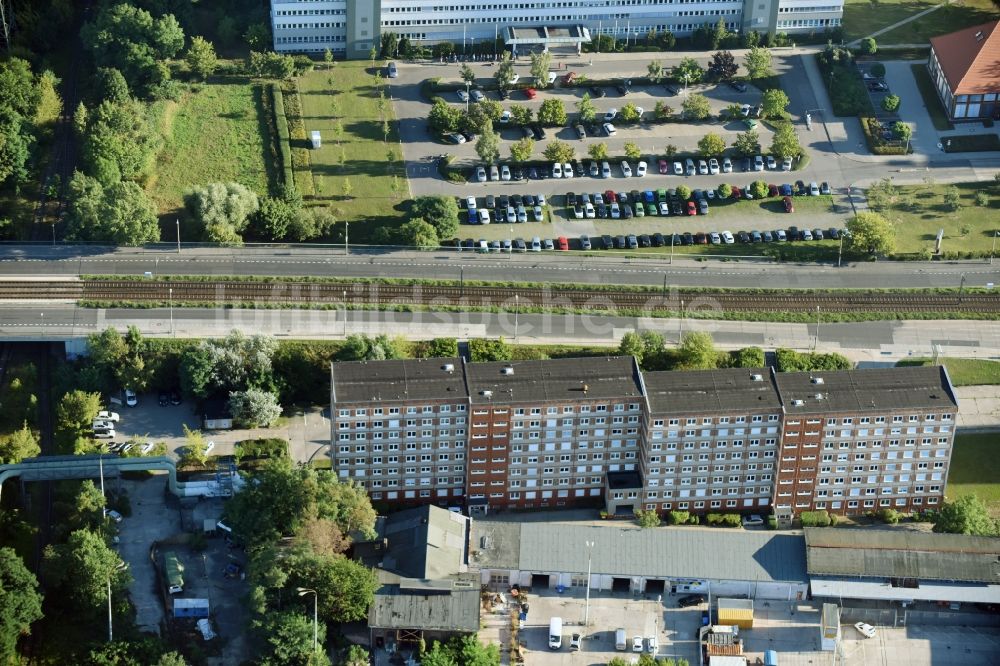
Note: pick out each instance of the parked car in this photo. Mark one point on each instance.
(585, 242)
(789, 206)
(771, 162)
(637, 644)
(640, 169)
(758, 163)
(813, 189)
(738, 86)
(865, 629)
(105, 415)
(626, 169)
(609, 129)
(690, 600)
(610, 115)
(478, 96)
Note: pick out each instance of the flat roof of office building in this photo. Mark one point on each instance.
(711, 391)
(876, 390)
(398, 380)
(553, 380)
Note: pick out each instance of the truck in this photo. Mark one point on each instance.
(174, 571)
(555, 633)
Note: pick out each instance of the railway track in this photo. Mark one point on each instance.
(364, 293)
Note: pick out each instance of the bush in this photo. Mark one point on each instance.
(891, 102)
(678, 517)
(815, 518)
(731, 520)
(725, 190)
(889, 516)
(284, 137)
(271, 447)
(772, 522)
(648, 518)
(683, 191)
(713, 518)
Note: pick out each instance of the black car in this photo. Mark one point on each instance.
(659, 240)
(469, 244)
(517, 200)
(175, 397)
(619, 242)
(675, 207)
(579, 169)
(538, 132)
(801, 189)
(504, 93)
(793, 233)
(597, 92)
(601, 211)
(738, 85)
(626, 212)
(675, 240)
(622, 90)
(690, 600)
(469, 136)
(457, 243)
(833, 233)
(519, 245)
(645, 241)
(533, 173)
(164, 399)
(746, 164)
(518, 173)
(687, 238)
(607, 242)
(490, 201)
(672, 89)
(504, 201)
(529, 200)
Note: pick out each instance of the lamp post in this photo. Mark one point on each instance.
(586, 608)
(468, 84)
(178, 223)
(171, 291)
(110, 630)
(517, 302)
(345, 313)
(303, 591)
(347, 236)
(840, 252)
(680, 324)
(994, 248)
(816, 339)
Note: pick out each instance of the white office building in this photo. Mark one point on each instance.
(351, 27)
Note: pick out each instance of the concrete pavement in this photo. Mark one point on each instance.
(980, 407)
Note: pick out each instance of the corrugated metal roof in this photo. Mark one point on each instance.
(425, 542)
(902, 554)
(681, 552)
(397, 607)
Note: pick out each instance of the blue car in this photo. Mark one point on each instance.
(785, 190)
(649, 196)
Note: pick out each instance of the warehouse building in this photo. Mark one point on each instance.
(352, 27)
(902, 566)
(626, 558)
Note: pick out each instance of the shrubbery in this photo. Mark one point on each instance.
(815, 519)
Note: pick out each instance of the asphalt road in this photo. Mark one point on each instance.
(561, 267)
(871, 341)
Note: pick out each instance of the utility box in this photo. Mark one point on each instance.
(316, 142)
(737, 612)
(190, 607)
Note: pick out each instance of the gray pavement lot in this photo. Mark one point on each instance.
(149, 421)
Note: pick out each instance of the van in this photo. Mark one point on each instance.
(770, 658)
(555, 633)
(621, 641)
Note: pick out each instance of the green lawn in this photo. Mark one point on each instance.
(921, 212)
(215, 133)
(863, 17)
(346, 94)
(964, 371)
(975, 469)
(955, 16)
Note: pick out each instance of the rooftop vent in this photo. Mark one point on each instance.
(448, 367)
(486, 394)
(816, 380)
(756, 378)
(818, 396)
(979, 36)
(507, 370)
(798, 403)
(484, 542)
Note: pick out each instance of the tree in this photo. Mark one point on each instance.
(357, 656)
(747, 143)
(346, 588)
(684, 192)
(520, 114)
(81, 569)
(749, 357)
(559, 151)
(17, 446)
(759, 189)
(662, 111)
(697, 352)
(119, 143)
(195, 448)
(491, 109)
(630, 113)
(882, 195)
(722, 66)
(16, 141)
(364, 348)
(871, 233)
(966, 515)
(647, 348)
(891, 102)
(952, 198)
(488, 145)
(49, 106)
(233, 363)
(441, 348)
(632, 150)
(18, 93)
(256, 36)
(271, 65)
(288, 636)
(122, 213)
(774, 101)
(122, 358)
(696, 107)
(869, 46)
(540, 65)
(655, 71)
(586, 109)
(254, 408)
(505, 71)
(688, 71)
(711, 144)
(482, 349)
(521, 151)
(902, 130)
(275, 216)
(467, 74)
(419, 233)
(223, 210)
(201, 58)
(110, 85)
(758, 62)
(598, 151)
(444, 117)
(647, 518)
(552, 113)
(20, 603)
(785, 142)
(440, 211)
(725, 191)
(76, 410)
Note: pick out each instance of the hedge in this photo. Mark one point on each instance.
(815, 518)
(876, 143)
(284, 139)
(272, 447)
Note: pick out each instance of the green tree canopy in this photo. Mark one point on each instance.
(697, 352)
(522, 149)
(688, 71)
(540, 65)
(18, 445)
(966, 515)
(488, 145)
(871, 233)
(711, 144)
(757, 62)
(586, 109)
(774, 101)
(696, 107)
(288, 639)
(747, 143)
(20, 603)
(559, 151)
(234, 363)
(440, 211)
(483, 349)
(81, 569)
(647, 347)
(655, 71)
(552, 112)
(598, 151)
(418, 232)
(110, 86)
(119, 143)
(201, 58)
(121, 213)
(360, 347)
(222, 210)
(785, 142)
(254, 408)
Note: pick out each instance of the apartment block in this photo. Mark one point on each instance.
(600, 432)
(351, 27)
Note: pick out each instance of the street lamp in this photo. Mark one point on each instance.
(347, 235)
(171, 290)
(178, 222)
(994, 249)
(345, 313)
(517, 301)
(816, 340)
(680, 324)
(586, 611)
(468, 84)
(303, 591)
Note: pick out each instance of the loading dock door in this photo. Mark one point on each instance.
(655, 586)
(539, 581)
(621, 584)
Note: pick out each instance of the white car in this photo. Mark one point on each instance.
(494, 173)
(727, 237)
(626, 169)
(640, 111)
(637, 644)
(504, 172)
(567, 170)
(557, 170)
(588, 210)
(113, 515)
(478, 96)
(536, 244)
(678, 169)
(610, 115)
(702, 167)
(511, 215)
(786, 164)
(209, 447)
(540, 200)
(484, 216)
(865, 629)
(537, 212)
(652, 645)
(594, 170)
(713, 166)
(130, 398)
(515, 79)
(758, 163)
(470, 203)
(745, 110)
(105, 415)
(616, 211)
(462, 95)
(640, 169)
(505, 117)
(574, 642)
(605, 170)
(146, 448)
(480, 174)
(552, 78)
(727, 165)
(609, 129)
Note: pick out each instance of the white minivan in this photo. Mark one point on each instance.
(555, 633)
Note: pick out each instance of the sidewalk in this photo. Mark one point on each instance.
(979, 406)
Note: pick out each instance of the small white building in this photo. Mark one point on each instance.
(316, 141)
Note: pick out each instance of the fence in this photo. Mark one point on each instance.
(899, 617)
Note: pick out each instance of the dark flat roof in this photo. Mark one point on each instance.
(874, 390)
(554, 379)
(711, 391)
(408, 379)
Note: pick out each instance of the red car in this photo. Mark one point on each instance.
(692, 209)
(789, 208)
(530, 93)
(609, 197)
(562, 243)
(737, 192)
(663, 166)
(772, 190)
